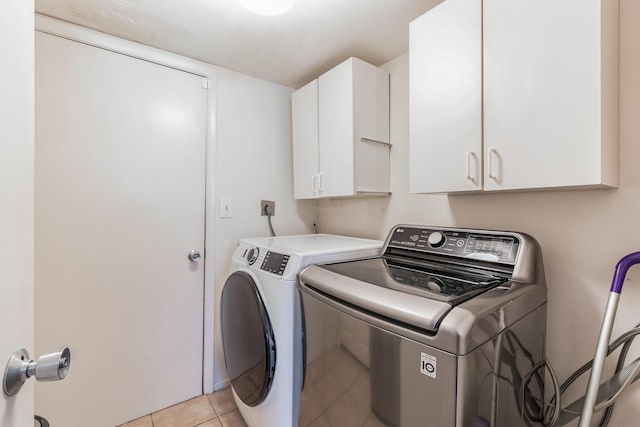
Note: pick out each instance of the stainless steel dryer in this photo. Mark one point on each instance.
(441, 330)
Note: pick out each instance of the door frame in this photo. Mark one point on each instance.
(208, 73)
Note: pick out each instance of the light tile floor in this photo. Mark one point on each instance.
(212, 410)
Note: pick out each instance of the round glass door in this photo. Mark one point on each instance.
(247, 339)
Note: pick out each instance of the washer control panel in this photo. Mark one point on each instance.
(486, 246)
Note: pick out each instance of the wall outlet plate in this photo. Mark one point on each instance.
(264, 203)
(226, 207)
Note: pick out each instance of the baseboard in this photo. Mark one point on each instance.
(221, 384)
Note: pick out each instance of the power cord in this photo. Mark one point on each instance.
(268, 210)
(623, 377)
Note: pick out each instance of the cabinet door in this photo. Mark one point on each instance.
(446, 98)
(304, 104)
(335, 113)
(550, 106)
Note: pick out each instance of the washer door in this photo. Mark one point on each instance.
(247, 339)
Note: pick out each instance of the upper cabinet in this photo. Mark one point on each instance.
(445, 112)
(341, 133)
(304, 110)
(514, 95)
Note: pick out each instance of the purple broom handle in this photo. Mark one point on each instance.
(621, 271)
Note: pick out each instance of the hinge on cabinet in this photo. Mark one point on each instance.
(206, 84)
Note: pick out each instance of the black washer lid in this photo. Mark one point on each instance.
(434, 281)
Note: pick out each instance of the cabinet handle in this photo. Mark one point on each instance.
(321, 182)
(470, 155)
(314, 184)
(388, 144)
(492, 152)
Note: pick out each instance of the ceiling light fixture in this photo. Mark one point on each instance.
(268, 7)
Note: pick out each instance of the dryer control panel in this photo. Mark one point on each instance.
(270, 261)
(274, 263)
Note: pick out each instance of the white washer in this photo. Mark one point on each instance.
(261, 320)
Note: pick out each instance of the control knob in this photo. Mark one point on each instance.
(435, 284)
(252, 255)
(436, 239)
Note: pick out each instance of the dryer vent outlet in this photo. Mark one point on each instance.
(263, 207)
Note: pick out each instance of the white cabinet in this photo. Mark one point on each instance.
(549, 92)
(304, 110)
(341, 141)
(445, 115)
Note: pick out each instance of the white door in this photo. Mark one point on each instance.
(120, 175)
(16, 200)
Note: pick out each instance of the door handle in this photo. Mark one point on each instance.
(49, 367)
(194, 256)
(471, 177)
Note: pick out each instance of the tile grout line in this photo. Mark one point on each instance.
(214, 409)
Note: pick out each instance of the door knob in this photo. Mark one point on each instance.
(194, 256)
(49, 367)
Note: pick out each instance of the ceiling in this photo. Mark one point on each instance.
(290, 49)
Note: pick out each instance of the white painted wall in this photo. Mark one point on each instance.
(583, 233)
(253, 163)
(16, 199)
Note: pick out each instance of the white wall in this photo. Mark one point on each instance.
(253, 163)
(16, 198)
(583, 234)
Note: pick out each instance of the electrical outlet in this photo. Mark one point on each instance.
(264, 204)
